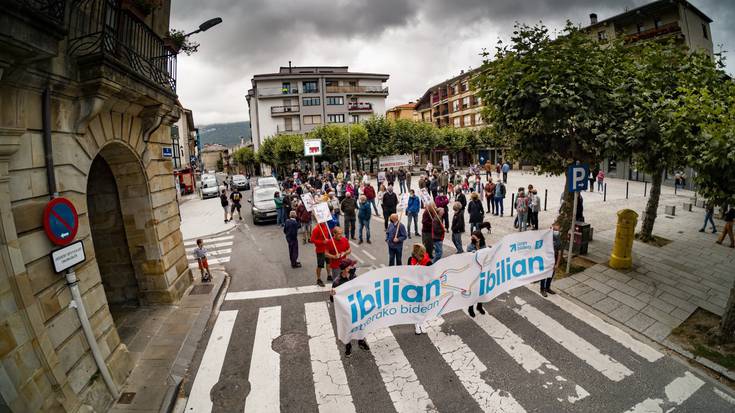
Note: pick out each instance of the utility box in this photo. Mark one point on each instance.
(670, 210)
(582, 237)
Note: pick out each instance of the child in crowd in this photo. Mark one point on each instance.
(200, 253)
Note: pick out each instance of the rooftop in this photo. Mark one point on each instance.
(650, 8)
(306, 72)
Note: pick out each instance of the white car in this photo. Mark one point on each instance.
(240, 181)
(263, 181)
(210, 188)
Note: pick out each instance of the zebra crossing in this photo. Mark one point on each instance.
(568, 368)
(219, 250)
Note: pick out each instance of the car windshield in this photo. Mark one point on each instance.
(238, 178)
(267, 181)
(264, 195)
(210, 183)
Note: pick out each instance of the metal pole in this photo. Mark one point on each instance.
(546, 195)
(512, 203)
(604, 194)
(645, 188)
(313, 164)
(571, 234)
(626, 189)
(676, 186)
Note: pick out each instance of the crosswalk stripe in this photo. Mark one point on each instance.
(625, 339)
(211, 364)
(404, 388)
(530, 359)
(576, 345)
(210, 247)
(726, 397)
(369, 255)
(330, 380)
(209, 240)
(214, 253)
(276, 292)
(357, 257)
(677, 392)
(469, 369)
(265, 366)
(212, 261)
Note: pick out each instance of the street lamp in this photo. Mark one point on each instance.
(206, 25)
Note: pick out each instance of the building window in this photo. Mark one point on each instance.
(467, 120)
(465, 102)
(312, 101)
(478, 118)
(457, 122)
(311, 86)
(312, 120)
(455, 106)
(464, 86)
(335, 100)
(704, 31)
(479, 101)
(641, 27)
(286, 88)
(602, 35)
(355, 118)
(337, 118)
(331, 83)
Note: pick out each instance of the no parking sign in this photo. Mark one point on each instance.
(60, 221)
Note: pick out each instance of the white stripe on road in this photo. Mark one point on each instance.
(369, 255)
(265, 364)
(276, 292)
(469, 370)
(210, 246)
(576, 345)
(638, 347)
(404, 388)
(724, 396)
(211, 364)
(357, 257)
(530, 359)
(213, 261)
(330, 380)
(215, 252)
(677, 392)
(208, 240)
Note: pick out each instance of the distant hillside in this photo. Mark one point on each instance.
(227, 134)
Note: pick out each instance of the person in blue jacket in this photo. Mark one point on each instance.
(363, 218)
(412, 212)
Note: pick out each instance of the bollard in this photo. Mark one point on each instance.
(626, 189)
(512, 203)
(645, 188)
(546, 195)
(622, 254)
(604, 194)
(675, 187)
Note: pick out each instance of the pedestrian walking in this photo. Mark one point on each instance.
(441, 201)
(579, 213)
(506, 169)
(461, 198)
(346, 274)
(321, 239)
(389, 204)
(304, 217)
(348, 206)
(709, 212)
(200, 253)
(421, 258)
(369, 193)
(488, 172)
(490, 195)
(235, 197)
(476, 211)
(545, 284)
(437, 234)
(291, 230)
(408, 179)
(592, 177)
(337, 250)
(278, 199)
(394, 237)
(729, 218)
(600, 180)
(412, 213)
(224, 202)
(499, 198)
(477, 242)
(497, 169)
(521, 207)
(457, 227)
(426, 220)
(363, 217)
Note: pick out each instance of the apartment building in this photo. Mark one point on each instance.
(299, 98)
(406, 111)
(663, 19)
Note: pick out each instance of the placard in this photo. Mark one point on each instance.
(69, 256)
(395, 161)
(425, 196)
(308, 200)
(312, 147)
(321, 212)
(403, 201)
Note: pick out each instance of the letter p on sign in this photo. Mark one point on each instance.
(577, 177)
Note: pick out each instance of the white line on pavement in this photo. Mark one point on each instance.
(214, 253)
(265, 364)
(677, 392)
(357, 257)
(369, 255)
(212, 261)
(724, 396)
(330, 380)
(276, 292)
(469, 370)
(211, 364)
(208, 240)
(404, 388)
(576, 345)
(609, 330)
(210, 247)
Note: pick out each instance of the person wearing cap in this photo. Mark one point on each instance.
(338, 248)
(345, 273)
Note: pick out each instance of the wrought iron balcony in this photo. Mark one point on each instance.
(100, 28)
(51, 10)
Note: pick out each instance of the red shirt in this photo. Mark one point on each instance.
(342, 244)
(320, 237)
(424, 261)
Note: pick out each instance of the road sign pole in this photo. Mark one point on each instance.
(571, 235)
(313, 164)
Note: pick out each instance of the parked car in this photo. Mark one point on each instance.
(264, 181)
(210, 188)
(240, 182)
(263, 207)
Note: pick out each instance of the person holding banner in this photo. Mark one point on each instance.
(394, 237)
(337, 250)
(476, 211)
(412, 212)
(426, 220)
(421, 258)
(546, 283)
(320, 238)
(347, 273)
(457, 226)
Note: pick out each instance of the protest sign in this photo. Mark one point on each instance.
(395, 161)
(414, 294)
(445, 162)
(381, 177)
(308, 201)
(425, 196)
(321, 212)
(403, 201)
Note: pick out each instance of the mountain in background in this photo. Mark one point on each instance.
(227, 134)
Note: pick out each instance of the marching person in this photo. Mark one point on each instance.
(477, 242)
(224, 202)
(474, 208)
(363, 217)
(389, 203)
(441, 201)
(506, 169)
(369, 193)
(278, 199)
(490, 195)
(421, 258)
(412, 213)
(499, 198)
(426, 220)
(394, 237)
(320, 239)
(291, 230)
(337, 251)
(349, 208)
(546, 283)
(534, 207)
(521, 209)
(457, 226)
(402, 180)
(304, 217)
(347, 273)
(200, 253)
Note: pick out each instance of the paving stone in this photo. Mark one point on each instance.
(680, 313)
(578, 289)
(623, 313)
(662, 305)
(641, 286)
(640, 322)
(673, 291)
(627, 300)
(599, 286)
(708, 306)
(565, 283)
(620, 286)
(658, 331)
(591, 297)
(676, 301)
(581, 276)
(606, 305)
(618, 276)
(661, 316)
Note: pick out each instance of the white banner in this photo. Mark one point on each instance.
(321, 212)
(395, 161)
(403, 201)
(413, 294)
(445, 162)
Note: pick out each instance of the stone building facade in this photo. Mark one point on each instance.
(87, 90)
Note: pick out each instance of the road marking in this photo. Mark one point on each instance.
(576, 345)
(211, 364)
(357, 257)
(677, 392)
(212, 261)
(724, 396)
(330, 380)
(638, 347)
(216, 252)
(211, 246)
(530, 359)
(469, 370)
(404, 388)
(265, 364)
(276, 292)
(217, 239)
(382, 265)
(369, 255)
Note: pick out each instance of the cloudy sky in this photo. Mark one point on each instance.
(417, 42)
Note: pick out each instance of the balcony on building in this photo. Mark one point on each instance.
(358, 90)
(109, 39)
(666, 29)
(285, 130)
(284, 110)
(361, 107)
(40, 21)
(277, 92)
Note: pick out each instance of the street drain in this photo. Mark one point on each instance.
(201, 289)
(126, 398)
(290, 343)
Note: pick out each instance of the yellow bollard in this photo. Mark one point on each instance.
(622, 253)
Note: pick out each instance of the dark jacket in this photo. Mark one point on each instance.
(462, 200)
(458, 223)
(303, 215)
(348, 207)
(291, 229)
(391, 234)
(437, 230)
(389, 202)
(476, 211)
(426, 222)
(365, 212)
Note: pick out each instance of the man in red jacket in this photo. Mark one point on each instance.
(320, 238)
(369, 193)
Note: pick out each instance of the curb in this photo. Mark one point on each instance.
(704, 362)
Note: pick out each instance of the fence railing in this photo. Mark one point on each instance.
(285, 109)
(356, 89)
(52, 10)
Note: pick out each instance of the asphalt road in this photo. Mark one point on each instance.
(266, 353)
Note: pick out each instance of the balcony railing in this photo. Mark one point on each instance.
(101, 28)
(357, 89)
(655, 32)
(360, 106)
(277, 91)
(52, 10)
(283, 129)
(435, 99)
(275, 110)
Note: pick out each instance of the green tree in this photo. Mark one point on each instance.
(379, 138)
(554, 101)
(245, 157)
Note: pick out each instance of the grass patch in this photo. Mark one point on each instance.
(692, 336)
(656, 241)
(579, 264)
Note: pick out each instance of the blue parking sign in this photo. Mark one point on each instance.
(577, 177)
